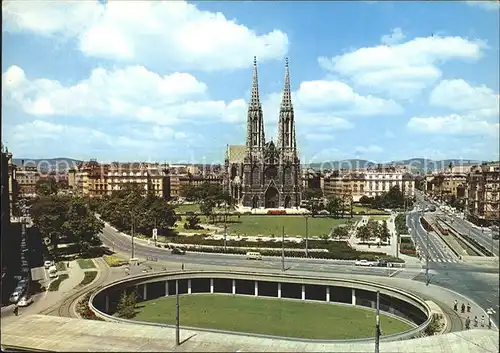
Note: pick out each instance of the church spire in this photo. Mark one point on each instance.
(286, 123)
(286, 99)
(254, 99)
(255, 119)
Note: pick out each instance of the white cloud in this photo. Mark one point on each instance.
(460, 96)
(132, 93)
(402, 70)
(395, 37)
(35, 136)
(317, 136)
(488, 5)
(371, 149)
(453, 124)
(148, 32)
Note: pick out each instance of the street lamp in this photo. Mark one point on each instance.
(307, 237)
(132, 230)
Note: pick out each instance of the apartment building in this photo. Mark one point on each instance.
(27, 177)
(97, 179)
(342, 183)
(448, 184)
(381, 180)
(311, 179)
(482, 193)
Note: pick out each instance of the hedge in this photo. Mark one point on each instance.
(343, 253)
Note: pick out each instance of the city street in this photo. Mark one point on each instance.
(430, 244)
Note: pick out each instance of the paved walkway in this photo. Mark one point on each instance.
(45, 300)
(80, 335)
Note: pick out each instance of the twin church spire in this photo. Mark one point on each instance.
(255, 123)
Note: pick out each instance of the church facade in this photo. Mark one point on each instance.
(264, 174)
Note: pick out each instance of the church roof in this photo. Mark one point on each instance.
(236, 153)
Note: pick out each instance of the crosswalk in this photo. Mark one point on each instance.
(442, 260)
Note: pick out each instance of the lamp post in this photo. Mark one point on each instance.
(307, 237)
(177, 319)
(283, 248)
(132, 230)
(377, 325)
(225, 226)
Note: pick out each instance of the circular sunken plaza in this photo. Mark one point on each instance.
(267, 305)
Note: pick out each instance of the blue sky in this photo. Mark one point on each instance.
(170, 81)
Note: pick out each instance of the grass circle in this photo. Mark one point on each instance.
(270, 316)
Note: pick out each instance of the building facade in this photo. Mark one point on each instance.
(27, 177)
(265, 174)
(482, 193)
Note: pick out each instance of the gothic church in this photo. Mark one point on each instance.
(263, 174)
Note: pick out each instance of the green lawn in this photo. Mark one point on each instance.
(379, 218)
(294, 225)
(269, 316)
(85, 264)
(88, 277)
(54, 285)
(61, 266)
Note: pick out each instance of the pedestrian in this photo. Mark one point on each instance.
(475, 321)
(16, 310)
(463, 308)
(468, 307)
(467, 323)
(455, 305)
(489, 322)
(182, 266)
(482, 320)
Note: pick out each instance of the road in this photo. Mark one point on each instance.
(429, 243)
(478, 283)
(121, 243)
(483, 236)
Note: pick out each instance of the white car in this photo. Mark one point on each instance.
(25, 301)
(14, 297)
(47, 264)
(363, 263)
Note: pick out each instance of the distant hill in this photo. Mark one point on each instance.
(415, 164)
(47, 165)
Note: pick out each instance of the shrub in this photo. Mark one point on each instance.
(83, 309)
(114, 261)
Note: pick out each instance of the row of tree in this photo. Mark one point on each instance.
(393, 199)
(374, 229)
(132, 207)
(65, 219)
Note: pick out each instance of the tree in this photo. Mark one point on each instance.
(363, 233)
(192, 222)
(49, 214)
(312, 193)
(384, 233)
(46, 187)
(341, 232)
(126, 305)
(207, 207)
(81, 226)
(333, 206)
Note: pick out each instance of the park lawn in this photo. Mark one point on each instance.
(366, 210)
(379, 218)
(269, 316)
(183, 208)
(85, 264)
(272, 225)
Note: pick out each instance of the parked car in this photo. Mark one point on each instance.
(177, 251)
(48, 263)
(25, 301)
(14, 297)
(363, 263)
